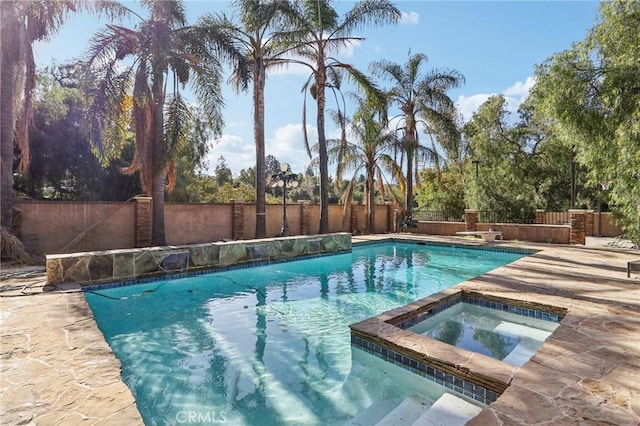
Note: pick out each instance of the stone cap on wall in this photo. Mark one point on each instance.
(101, 267)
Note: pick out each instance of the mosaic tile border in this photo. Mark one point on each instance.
(482, 302)
(512, 250)
(450, 381)
(513, 309)
(181, 275)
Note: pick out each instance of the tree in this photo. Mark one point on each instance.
(272, 165)
(448, 196)
(520, 166)
(422, 98)
(58, 170)
(367, 150)
(256, 17)
(591, 93)
(504, 181)
(134, 67)
(22, 24)
(223, 172)
(317, 33)
(248, 176)
(191, 154)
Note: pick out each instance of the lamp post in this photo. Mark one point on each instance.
(476, 162)
(284, 178)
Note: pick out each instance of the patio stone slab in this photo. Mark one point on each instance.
(55, 366)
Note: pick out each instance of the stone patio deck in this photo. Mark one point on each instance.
(56, 368)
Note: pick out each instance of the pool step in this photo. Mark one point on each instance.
(373, 413)
(448, 410)
(409, 410)
(519, 355)
(517, 330)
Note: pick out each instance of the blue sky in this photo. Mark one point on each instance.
(494, 44)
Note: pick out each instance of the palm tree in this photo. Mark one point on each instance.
(422, 98)
(367, 148)
(316, 33)
(22, 24)
(133, 68)
(257, 18)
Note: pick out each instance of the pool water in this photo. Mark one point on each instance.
(271, 344)
(502, 335)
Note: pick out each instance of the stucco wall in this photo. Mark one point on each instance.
(197, 223)
(440, 228)
(49, 226)
(556, 234)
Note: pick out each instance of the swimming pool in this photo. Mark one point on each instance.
(271, 344)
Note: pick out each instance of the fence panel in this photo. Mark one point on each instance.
(438, 216)
(556, 218)
(490, 216)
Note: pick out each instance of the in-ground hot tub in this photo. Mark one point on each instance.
(395, 337)
(498, 332)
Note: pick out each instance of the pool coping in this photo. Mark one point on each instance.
(57, 367)
(474, 375)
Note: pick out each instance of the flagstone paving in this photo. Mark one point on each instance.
(56, 368)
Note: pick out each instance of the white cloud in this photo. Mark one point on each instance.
(514, 95)
(287, 145)
(467, 105)
(520, 89)
(409, 18)
(238, 154)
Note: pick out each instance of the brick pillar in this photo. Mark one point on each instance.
(540, 216)
(237, 226)
(588, 223)
(143, 219)
(354, 217)
(577, 221)
(304, 216)
(470, 219)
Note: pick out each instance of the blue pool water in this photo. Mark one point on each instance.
(271, 344)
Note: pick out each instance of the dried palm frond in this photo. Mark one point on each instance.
(12, 247)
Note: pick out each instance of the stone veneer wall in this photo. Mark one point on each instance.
(90, 268)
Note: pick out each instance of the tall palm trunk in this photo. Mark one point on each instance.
(410, 136)
(258, 132)
(159, 175)
(7, 118)
(322, 148)
(371, 210)
(408, 199)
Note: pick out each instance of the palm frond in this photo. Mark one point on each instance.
(367, 13)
